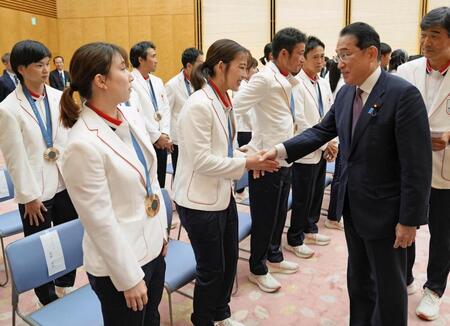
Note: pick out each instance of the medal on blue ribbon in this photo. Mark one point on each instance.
(151, 201)
(51, 153)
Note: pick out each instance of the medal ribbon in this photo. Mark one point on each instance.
(152, 95)
(46, 131)
(140, 155)
(188, 87)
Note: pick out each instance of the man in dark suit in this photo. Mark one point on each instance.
(59, 78)
(385, 174)
(8, 81)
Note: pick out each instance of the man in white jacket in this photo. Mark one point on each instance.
(431, 76)
(178, 90)
(153, 99)
(268, 93)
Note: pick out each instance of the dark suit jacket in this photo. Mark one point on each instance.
(6, 86)
(386, 165)
(55, 79)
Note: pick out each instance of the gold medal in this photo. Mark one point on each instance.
(158, 116)
(51, 154)
(152, 205)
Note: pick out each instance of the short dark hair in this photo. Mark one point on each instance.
(5, 57)
(58, 56)
(190, 55)
(365, 35)
(139, 50)
(287, 38)
(437, 17)
(27, 52)
(398, 57)
(385, 48)
(311, 43)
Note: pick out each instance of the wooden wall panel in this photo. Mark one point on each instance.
(37, 7)
(19, 27)
(168, 23)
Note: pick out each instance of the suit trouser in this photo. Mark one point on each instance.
(376, 279)
(114, 306)
(334, 190)
(174, 156)
(161, 155)
(268, 207)
(308, 183)
(59, 210)
(439, 254)
(214, 238)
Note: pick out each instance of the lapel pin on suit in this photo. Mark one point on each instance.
(373, 111)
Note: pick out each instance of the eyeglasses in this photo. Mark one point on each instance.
(344, 57)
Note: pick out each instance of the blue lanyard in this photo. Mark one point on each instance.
(292, 106)
(140, 155)
(152, 95)
(230, 135)
(319, 95)
(188, 87)
(45, 131)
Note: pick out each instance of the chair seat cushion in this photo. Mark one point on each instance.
(80, 307)
(180, 265)
(10, 223)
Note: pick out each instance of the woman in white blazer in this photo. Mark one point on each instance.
(178, 90)
(207, 166)
(110, 172)
(32, 142)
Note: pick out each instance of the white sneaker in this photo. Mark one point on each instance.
(302, 251)
(228, 322)
(284, 267)
(266, 283)
(317, 239)
(412, 288)
(428, 308)
(62, 292)
(334, 225)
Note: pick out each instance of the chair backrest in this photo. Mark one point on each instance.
(6, 186)
(242, 182)
(26, 256)
(168, 203)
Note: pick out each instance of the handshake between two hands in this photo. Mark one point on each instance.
(261, 162)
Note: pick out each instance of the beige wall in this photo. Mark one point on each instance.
(397, 21)
(246, 22)
(303, 14)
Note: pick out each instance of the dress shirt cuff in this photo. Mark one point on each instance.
(281, 151)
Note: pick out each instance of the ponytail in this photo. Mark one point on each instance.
(70, 111)
(198, 76)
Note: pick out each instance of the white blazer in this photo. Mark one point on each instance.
(23, 146)
(307, 109)
(142, 88)
(245, 120)
(268, 92)
(438, 116)
(177, 95)
(205, 174)
(104, 179)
